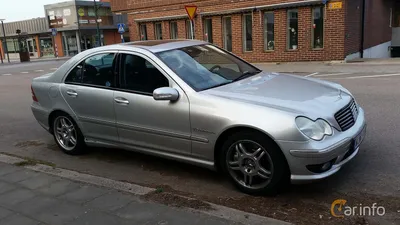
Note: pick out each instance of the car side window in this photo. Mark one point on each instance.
(99, 70)
(138, 74)
(75, 76)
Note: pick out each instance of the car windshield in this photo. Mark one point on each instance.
(206, 66)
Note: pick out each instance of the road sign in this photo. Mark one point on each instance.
(191, 11)
(324, 1)
(335, 5)
(121, 28)
(53, 31)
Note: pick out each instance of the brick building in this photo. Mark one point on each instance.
(270, 30)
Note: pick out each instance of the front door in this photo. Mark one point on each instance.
(88, 92)
(144, 122)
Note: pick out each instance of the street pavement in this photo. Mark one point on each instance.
(34, 198)
(372, 177)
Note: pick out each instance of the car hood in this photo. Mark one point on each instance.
(311, 97)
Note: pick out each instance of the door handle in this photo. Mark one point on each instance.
(72, 93)
(120, 100)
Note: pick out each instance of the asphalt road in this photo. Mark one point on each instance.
(372, 177)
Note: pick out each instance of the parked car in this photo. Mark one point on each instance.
(194, 102)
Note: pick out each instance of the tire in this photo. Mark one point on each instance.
(62, 122)
(268, 174)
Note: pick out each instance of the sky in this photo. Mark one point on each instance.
(14, 10)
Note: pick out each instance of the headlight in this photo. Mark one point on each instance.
(315, 130)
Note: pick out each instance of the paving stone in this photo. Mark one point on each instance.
(36, 205)
(59, 187)
(6, 169)
(4, 212)
(97, 218)
(38, 181)
(61, 213)
(16, 196)
(18, 219)
(141, 212)
(18, 176)
(4, 187)
(84, 194)
(111, 201)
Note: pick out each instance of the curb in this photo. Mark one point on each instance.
(217, 210)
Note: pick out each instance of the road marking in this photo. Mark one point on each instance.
(332, 74)
(53, 68)
(310, 75)
(7, 74)
(38, 70)
(372, 76)
(24, 72)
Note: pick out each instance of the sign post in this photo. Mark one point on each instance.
(191, 11)
(121, 30)
(53, 34)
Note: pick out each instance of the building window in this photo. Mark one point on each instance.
(269, 38)
(173, 30)
(317, 27)
(158, 31)
(208, 34)
(248, 32)
(227, 33)
(143, 32)
(293, 25)
(189, 33)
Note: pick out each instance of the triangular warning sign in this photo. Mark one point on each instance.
(191, 11)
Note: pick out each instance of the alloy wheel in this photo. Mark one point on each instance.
(249, 164)
(65, 133)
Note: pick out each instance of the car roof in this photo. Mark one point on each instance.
(155, 46)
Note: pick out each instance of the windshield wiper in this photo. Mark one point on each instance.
(218, 85)
(247, 74)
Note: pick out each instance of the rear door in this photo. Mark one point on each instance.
(89, 91)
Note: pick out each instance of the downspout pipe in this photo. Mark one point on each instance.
(362, 29)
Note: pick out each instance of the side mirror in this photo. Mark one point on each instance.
(165, 94)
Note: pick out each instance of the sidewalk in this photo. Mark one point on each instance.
(367, 66)
(29, 197)
(32, 198)
(17, 61)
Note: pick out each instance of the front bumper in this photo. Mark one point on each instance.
(337, 149)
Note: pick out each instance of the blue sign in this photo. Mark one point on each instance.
(121, 28)
(324, 1)
(53, 31)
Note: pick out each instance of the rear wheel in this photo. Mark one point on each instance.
(68, 135)
(254, 163)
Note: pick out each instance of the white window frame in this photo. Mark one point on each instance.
(288, 30)
(312, 28)
(244, 41)
(171, 30)
(224, 40)
(155, 31)
(265, 28)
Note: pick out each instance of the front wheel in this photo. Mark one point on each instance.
(254, 163)
(68, 135)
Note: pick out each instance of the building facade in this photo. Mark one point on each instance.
(269, 30)
(76, 30)
(83, 25)
(36, 38)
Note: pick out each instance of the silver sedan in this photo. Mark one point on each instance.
(194, 102)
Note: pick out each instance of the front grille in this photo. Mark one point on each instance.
(347, 116)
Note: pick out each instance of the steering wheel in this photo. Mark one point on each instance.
(214, 68)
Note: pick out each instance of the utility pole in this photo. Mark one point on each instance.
(97, 23)
(5, 40)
